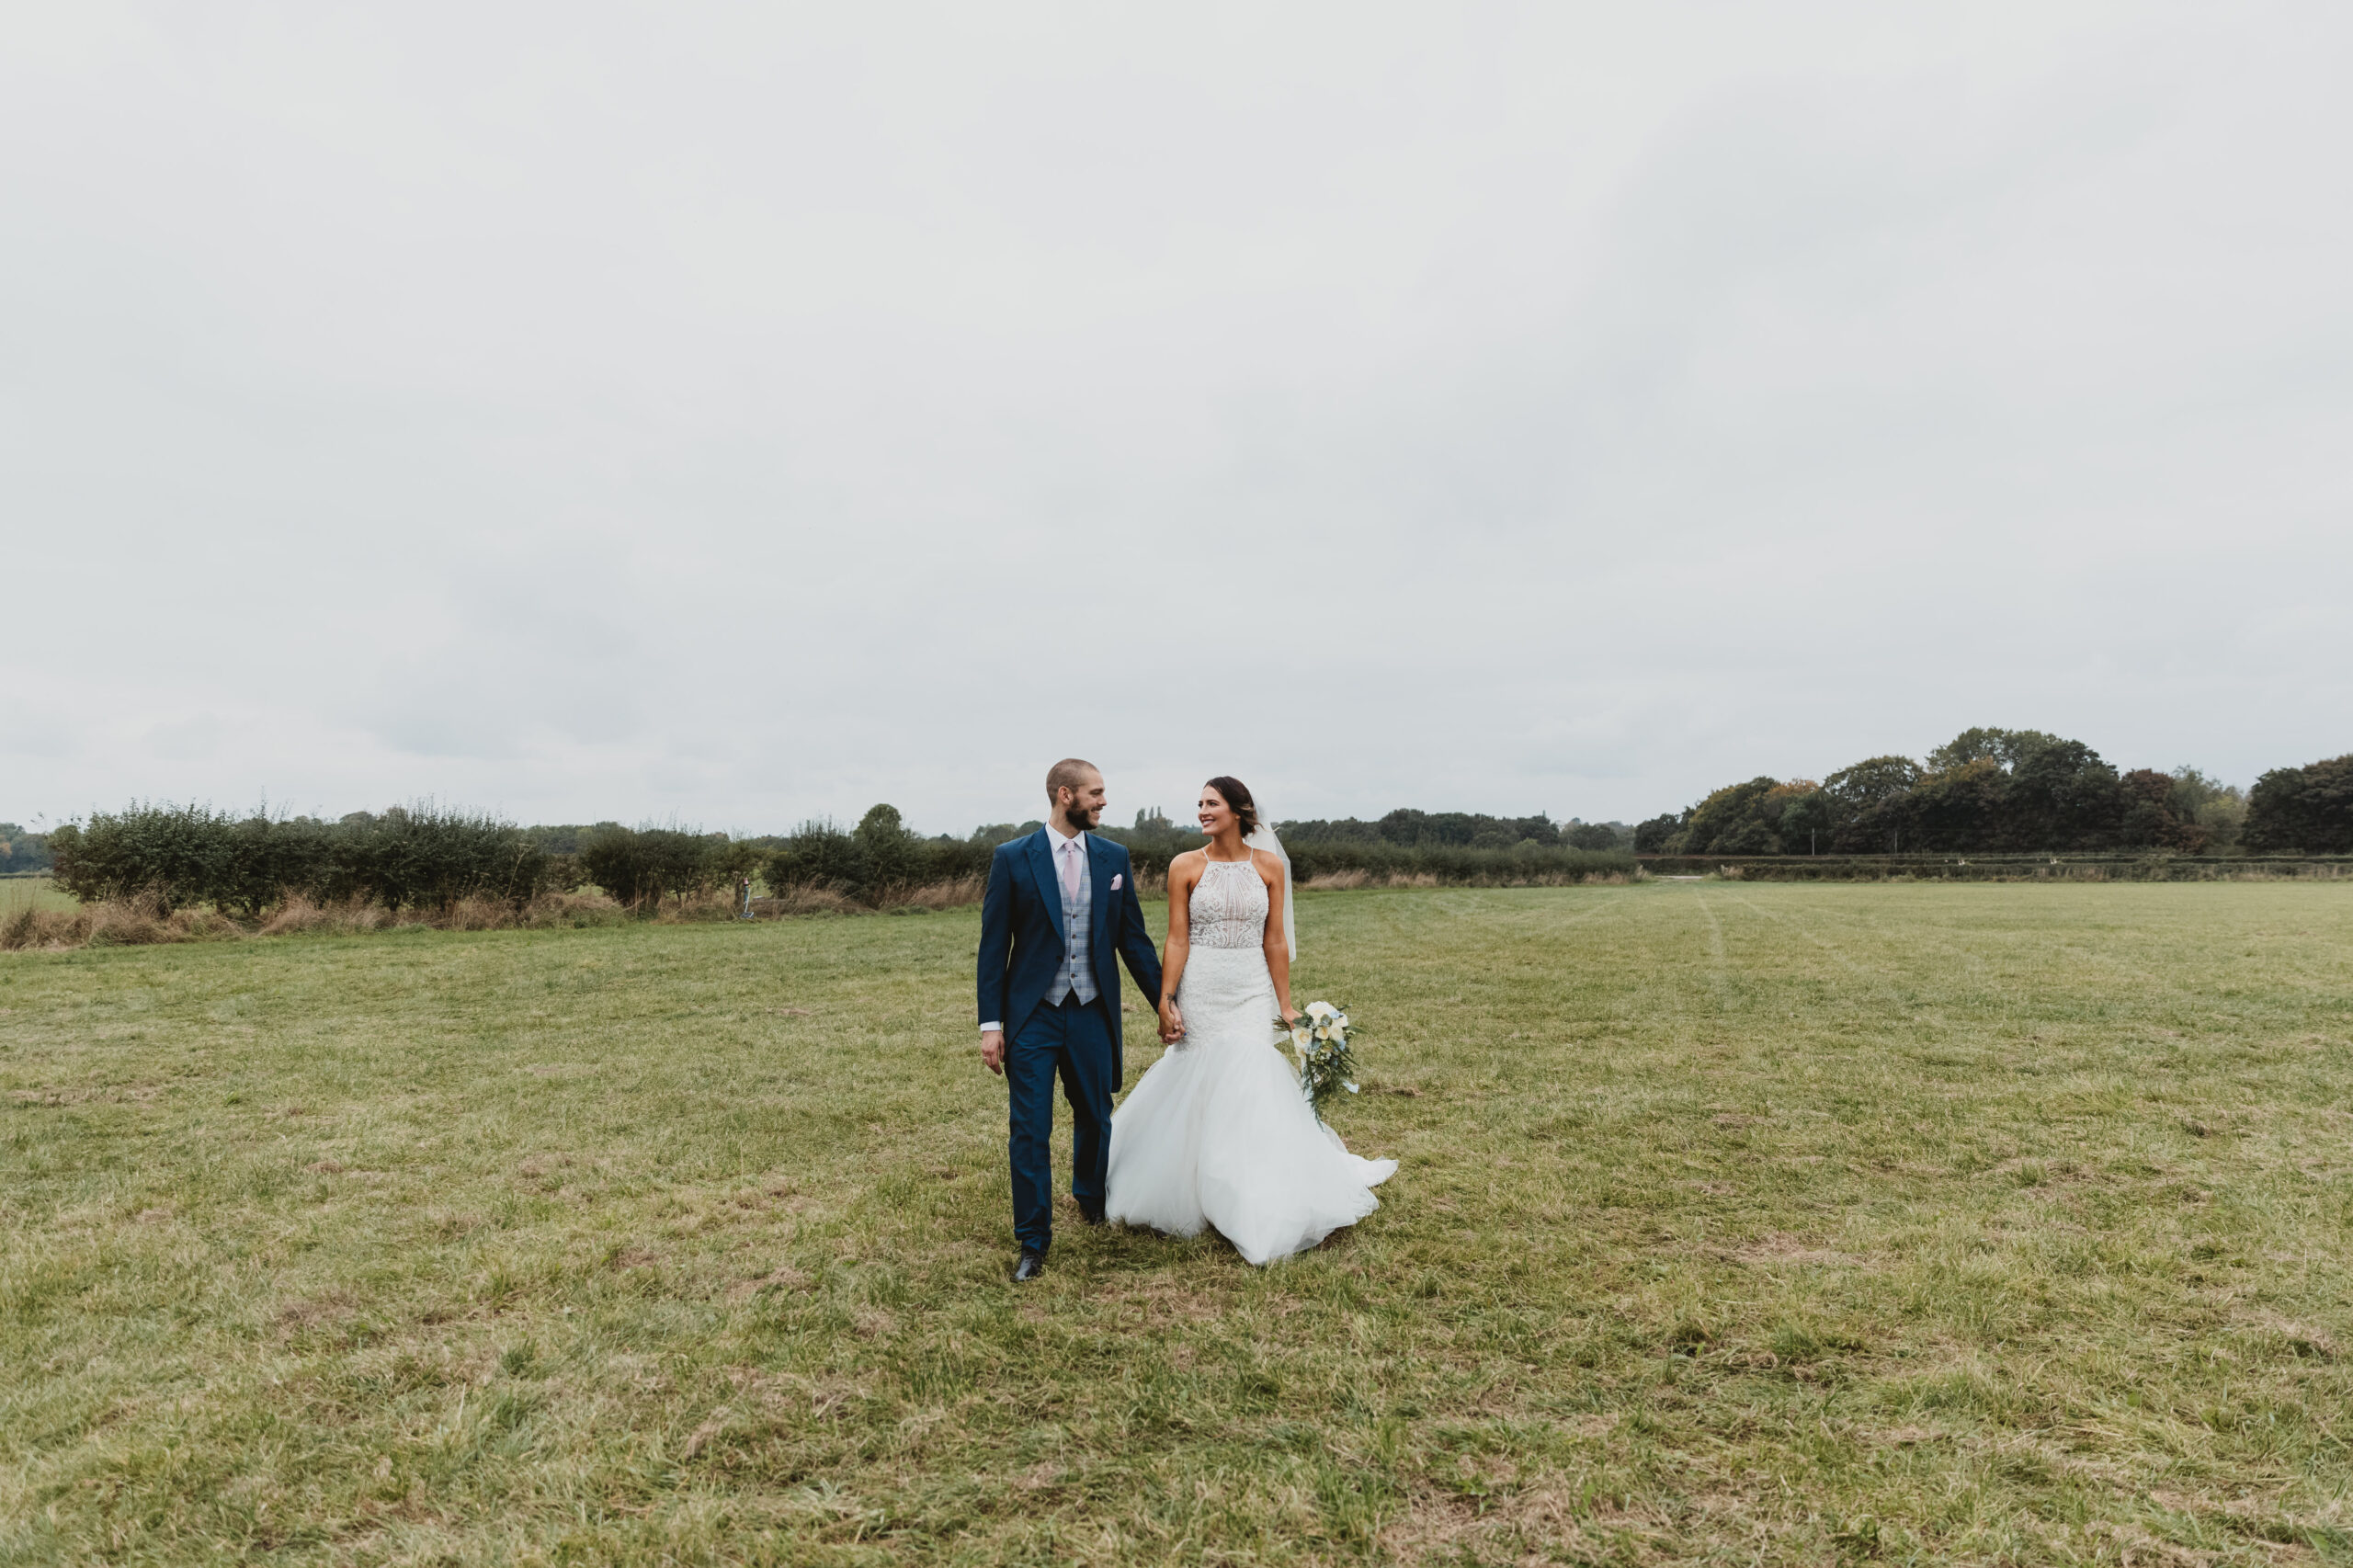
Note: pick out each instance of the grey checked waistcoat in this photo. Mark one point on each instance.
(1077, 972)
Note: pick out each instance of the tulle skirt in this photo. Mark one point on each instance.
(1217, 1132)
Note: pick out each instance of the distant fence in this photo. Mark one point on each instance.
(2004, 868)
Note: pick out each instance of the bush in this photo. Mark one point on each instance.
(878, 861)
(640, 866)
(2307, 809)
(817, 854)
(427, 857)
(172, 855)
(423, 855)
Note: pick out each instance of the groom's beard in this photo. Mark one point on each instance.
(1078, 819)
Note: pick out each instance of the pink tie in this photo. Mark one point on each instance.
(1069, 870)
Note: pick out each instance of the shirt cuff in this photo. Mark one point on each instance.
(993, 1028)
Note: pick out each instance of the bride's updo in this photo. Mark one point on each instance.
(1236, 795)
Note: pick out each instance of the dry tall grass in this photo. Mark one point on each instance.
(137, 922)
(812, 900)
(117, 922)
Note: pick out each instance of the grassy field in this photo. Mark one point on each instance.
(1739, 1224)
(33, 892)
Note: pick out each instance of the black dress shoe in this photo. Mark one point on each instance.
(1093, 1217)
(1032, 1265)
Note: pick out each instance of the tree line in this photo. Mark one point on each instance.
(423, 855)
(1987, 791)
(22, 852)
(430, 857)
(2014, 791)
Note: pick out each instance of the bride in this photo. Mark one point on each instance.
(1217, 1131)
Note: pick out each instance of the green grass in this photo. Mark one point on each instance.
(33, 892)
(1739, 1224)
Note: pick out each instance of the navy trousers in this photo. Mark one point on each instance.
(1072, 1041)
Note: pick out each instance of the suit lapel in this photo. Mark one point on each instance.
(1099, 907)
(1050, 886)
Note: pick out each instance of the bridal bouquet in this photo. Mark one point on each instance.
(1320, 1042)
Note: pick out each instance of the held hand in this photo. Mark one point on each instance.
(1172, 1022)
(993, 1052)
(1291, 1016)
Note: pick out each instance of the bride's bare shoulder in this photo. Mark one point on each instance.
(1189, 861)
(1269, 863)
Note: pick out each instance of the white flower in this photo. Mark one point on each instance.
(1321, 1010)
(1339, 1035)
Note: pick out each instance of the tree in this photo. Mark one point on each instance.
(1735, 820)
(1867, 801)
(873, 857)
(1806, 821)
(1652, 837)
(2149, 819)
(2307, 809)
(2060, 796)
(2004, 747)
(2219, 808)
(889, 856)
(1958, 809)
(22, 851)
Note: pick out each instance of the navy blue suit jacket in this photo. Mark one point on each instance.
(1021, 932)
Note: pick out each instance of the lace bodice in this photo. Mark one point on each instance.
(1229, 906)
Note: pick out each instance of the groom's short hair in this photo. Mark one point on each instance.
(1068, 774)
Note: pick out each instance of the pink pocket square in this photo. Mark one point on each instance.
(1115, 881)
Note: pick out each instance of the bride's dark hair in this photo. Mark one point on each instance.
(1236, 794)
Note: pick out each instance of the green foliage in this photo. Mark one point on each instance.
(421, 856)
(640, 866)
(878, 857)
(1653, 836)
(429, 856)
(816, 854)
(889, 856)
(20, 851)
(1579, 834)
(2150, 814)
(1410, 829)
(1523, 864)
(2220, 809)
(174, 855)
(2006, 747)
(1743, 819)
(1321, 1042)
(1985, 791)
(2308, 809)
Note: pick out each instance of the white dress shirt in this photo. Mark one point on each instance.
(1060, 845)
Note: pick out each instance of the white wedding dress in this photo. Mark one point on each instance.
(1217, 1131)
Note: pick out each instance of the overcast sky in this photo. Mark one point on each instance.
(737, 415)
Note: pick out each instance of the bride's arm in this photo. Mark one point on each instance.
(1181, 874)
(1278, 947)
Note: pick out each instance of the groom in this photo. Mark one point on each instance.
(1061, 903)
